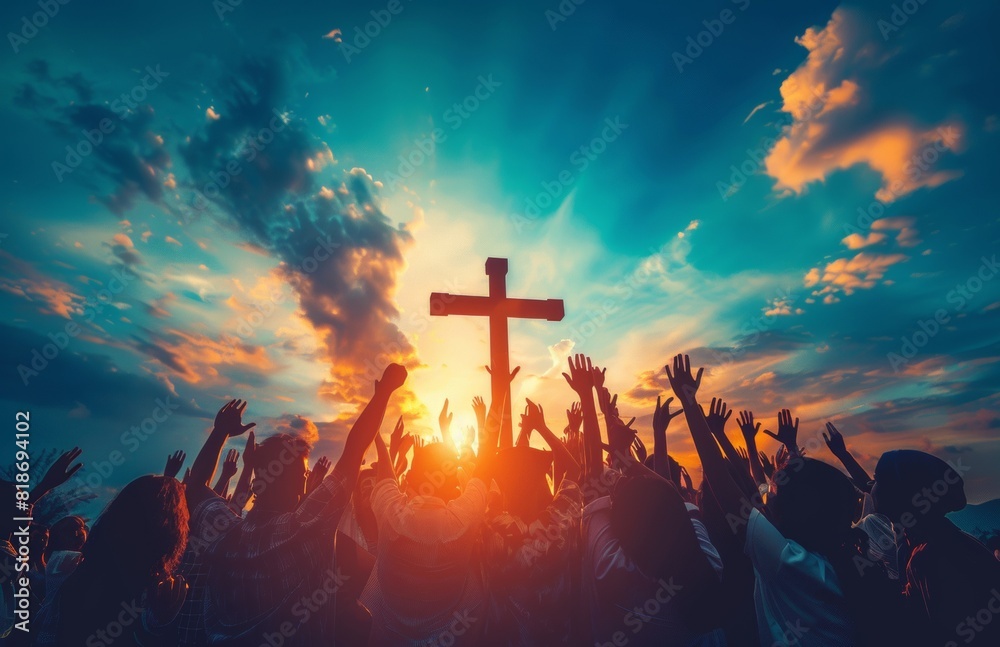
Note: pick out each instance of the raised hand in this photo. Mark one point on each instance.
(662, 416)
(229, 419)
(469, 436)
(767, 464)
(788, 431)
(688, 485)
(574, 416)
(318, 473)
(639, 448)
(58, 473)
(743, 454)
(684, 384)
(598, 374)
(231, 465)
(479, 408)
(396, 439)
(581, 374)
(718, 415)
(444, 421)
(402, 460)
(781, 457)
(748, 427)
(165, 599)
(174, 463)
(393, 377)
(835, 441)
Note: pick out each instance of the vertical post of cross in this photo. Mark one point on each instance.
(496, 269)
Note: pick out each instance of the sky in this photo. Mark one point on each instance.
(205, 201)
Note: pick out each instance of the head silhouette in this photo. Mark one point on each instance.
(653, 526)
(814, 505)
(434, 471)
(136, 542)
(914, 488)
(280, 469)
(69, 533)
(141, 534)
(520, 472)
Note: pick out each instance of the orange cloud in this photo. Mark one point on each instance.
(824, 101)
(845, 275)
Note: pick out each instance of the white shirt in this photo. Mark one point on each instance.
(797, 595)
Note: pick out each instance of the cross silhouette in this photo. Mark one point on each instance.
(499, 309)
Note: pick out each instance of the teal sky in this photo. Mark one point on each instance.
(794, 193)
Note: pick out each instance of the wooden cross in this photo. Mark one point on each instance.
(499, 309)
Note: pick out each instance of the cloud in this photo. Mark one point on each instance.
(196, 358)
(337, 249)
(845, 275)
(857, 241)
(80, 383)
(130, 156)
(758, 107)
(56, 297)
(848, 109)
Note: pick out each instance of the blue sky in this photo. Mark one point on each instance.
(790, 191)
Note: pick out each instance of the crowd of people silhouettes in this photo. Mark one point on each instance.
(458, 541)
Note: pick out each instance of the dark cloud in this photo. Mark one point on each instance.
(72, 378)
(259, 165)
(129, 154)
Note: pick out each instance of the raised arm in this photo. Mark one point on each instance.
(788, 433)
(229, 468)
(228, 424)
(241, 495)
(749, 430)
(581, 380)
(58, 473)
(174, 463)
(367, 425)
(835, 441)
(727, 493)
(535, 417)
(444, 423)
(661, 421)
(383, 467)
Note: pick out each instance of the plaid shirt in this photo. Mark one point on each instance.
(209, 521)
(532, 568)
(427, 587)
(273, 578)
